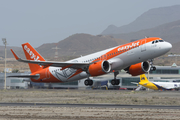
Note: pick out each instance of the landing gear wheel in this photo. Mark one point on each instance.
(153, 68)
(115, 82)
(88, 82)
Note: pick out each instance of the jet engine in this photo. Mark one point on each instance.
(99, 68)
(139, 68)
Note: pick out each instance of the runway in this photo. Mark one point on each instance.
(91, 105)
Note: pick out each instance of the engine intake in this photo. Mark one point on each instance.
(99, 68)
(139, 68)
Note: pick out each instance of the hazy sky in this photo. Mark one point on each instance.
(47, 21)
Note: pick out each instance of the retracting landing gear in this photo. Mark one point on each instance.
(115, 81)
(88, 82)
(153, 68)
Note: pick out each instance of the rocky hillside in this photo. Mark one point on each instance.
(169, 32)
(151, 18)
(80, 44)
(73, 46)
(176, 48)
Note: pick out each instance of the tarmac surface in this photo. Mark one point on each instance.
(90, 105)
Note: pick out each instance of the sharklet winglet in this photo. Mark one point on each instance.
(15, 55)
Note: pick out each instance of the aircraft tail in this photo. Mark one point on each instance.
(143, 78)
(32, 54)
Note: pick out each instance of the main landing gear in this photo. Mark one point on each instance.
(88, 82)
(115, 81)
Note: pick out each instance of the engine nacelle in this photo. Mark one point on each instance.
(139, 68)
(99, 68)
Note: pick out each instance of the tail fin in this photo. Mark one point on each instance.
(143, 78)
(32, 54)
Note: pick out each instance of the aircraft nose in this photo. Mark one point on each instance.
(168, 46)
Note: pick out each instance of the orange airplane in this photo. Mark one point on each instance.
(133, 57)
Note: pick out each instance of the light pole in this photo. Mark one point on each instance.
(5, 43)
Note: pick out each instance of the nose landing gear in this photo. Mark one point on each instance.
(153, 68)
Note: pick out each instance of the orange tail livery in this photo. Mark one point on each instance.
(32, 54)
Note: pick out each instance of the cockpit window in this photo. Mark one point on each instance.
(156, 41)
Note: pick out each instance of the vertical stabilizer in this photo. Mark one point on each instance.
(32, 54)
(143, 78)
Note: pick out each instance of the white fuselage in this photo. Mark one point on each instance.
(167, 85)
(138, 54)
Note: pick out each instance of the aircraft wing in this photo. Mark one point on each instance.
(64, 65)
(135, 83)
(138, 83)
(24, 76)
(138, 88)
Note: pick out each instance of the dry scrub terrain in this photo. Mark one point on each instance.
(73, 96)
(66, 113)
(88, 96)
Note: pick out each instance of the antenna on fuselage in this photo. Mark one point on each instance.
(56, 52)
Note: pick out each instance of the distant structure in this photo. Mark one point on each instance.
(56, 52)
(174, 55)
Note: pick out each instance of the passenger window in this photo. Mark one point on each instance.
(152, 42)
(156, 41)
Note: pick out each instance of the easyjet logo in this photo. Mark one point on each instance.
(129, 46)
(31, 54)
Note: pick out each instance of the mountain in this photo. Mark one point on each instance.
(169, 32)
(175, 48)
(9, 54)
(79, 44)
(151, 18)
(73, 46)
